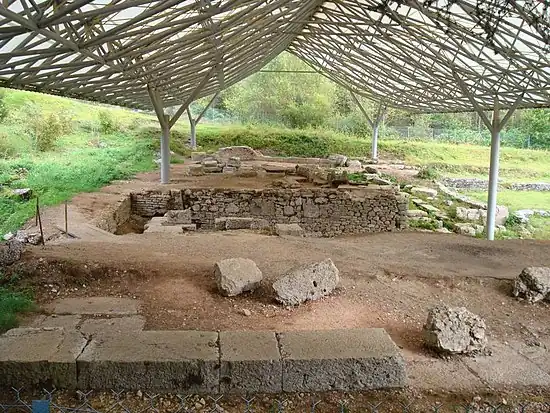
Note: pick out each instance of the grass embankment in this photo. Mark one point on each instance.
(516, 165)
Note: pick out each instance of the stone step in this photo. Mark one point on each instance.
(199, 361)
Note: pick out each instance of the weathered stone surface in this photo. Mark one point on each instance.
(533, 284)
(229, 169)
(219, 223)
(198, 156)
(107, 327)
(376, 180)
(353, 164)
(423, 191)
(238, 223)
(371, 170)
(168, 361)
(234, 162)
(39, 357)
(244, 153)
(416, 213)
(24, 193)
(468, 229)
(338, 160)
(189, 227)
(308, 282)
(236, 275)
(350, 359)
(293, 230)
(213, 169)
(175, 217)
(345, 210)
(260, 224)
(95, 306)
(196, 170)
(10, 252)
(246, 172)
(209, 163)
(250, 362)
(454, 330)
(34, 238)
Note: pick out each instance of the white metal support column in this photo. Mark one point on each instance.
(493, 172)
(165, 151)
(374, 123)
(193, 122)
(495, 126)
(165, 126)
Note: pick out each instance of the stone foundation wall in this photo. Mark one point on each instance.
(474, 184)
(328, 212)
(115, 215)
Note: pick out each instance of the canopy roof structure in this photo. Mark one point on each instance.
(420, 55)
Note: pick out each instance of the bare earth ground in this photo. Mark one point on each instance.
(388, 280)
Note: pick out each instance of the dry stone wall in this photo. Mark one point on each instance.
(115, 215)
(328, 212)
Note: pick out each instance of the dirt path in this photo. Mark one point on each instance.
(387, 280)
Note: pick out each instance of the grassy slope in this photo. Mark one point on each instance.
(82, 161)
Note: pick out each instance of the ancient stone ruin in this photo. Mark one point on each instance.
(533, 284)
(237, 275)
(309, 282)
(454, 331)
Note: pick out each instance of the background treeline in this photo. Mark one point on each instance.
(280, 98)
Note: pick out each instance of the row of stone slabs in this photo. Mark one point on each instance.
(201, 362)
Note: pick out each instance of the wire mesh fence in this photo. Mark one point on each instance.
(138, 402)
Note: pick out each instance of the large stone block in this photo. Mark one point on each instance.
(308, 282)
(533, 284)
(250, 362)
(168, 361)
(236, 275)
(454, 330)
(36, 358)
(238, 223)
(350, 360)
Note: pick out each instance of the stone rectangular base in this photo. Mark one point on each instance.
(250, 362)
(353, 359)
(182, 361)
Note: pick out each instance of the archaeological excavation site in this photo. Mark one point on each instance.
(251, 274)
(274, 206)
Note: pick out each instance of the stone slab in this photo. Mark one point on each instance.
(94, 327)
(250, 362)
(351, 359)
(168, 361)
(238, 223)
(166, 229)
(442, 375)
(40, 358)
(95, 306)
(507, 368)
(293, 230)
(68, 322)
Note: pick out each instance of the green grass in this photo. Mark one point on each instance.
(12, 303)
(517, 199)
(471, 160)
(58, 176)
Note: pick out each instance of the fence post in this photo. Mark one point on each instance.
(40, 406)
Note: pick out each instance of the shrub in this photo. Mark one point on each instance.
(428, 172)
(3, 106)
(44, 128)
(107, 124)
